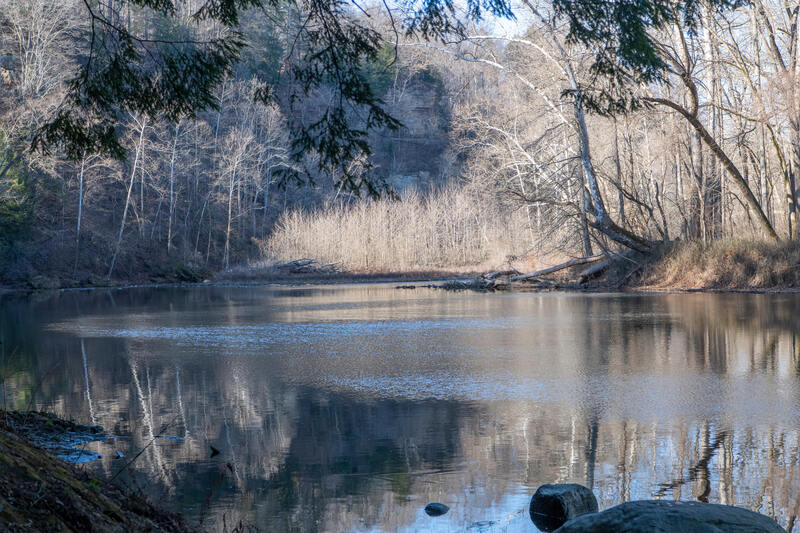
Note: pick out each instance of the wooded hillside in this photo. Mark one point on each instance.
(572, 146)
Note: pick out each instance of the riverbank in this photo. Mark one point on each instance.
(731, 265)
(43, 493)
(723, 266)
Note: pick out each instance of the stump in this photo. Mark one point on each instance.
(553, 505)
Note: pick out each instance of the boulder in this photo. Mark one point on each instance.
(436, 509)
(659, 516)
(555, 504)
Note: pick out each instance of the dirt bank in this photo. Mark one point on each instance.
(730, 265)
(42, 493)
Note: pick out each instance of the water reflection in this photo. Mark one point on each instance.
(350, 408)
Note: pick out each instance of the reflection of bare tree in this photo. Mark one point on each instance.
(181, 410)
(314, 455)
(591, 452)
(88, 389)
(627, 450)
(146, 404)
(699, 473)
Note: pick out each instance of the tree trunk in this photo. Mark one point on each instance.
(618, 165)
(602, 221)
(127, 198)
(729, 166)
(230, 212)
(80, 214)
(172, 188)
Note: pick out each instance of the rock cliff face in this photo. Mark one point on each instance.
(415, 155)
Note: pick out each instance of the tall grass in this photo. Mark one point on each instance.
(727, 264)
(450, 228)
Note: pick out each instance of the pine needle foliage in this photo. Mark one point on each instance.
(627, 55)
(176, 77)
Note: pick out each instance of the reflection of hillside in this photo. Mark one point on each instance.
(669, 396)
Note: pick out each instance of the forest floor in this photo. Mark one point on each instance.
(40, 492)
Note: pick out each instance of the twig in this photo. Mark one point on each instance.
(129, 463)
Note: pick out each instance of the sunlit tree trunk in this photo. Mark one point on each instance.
(172, 188)
(128, 196)
(80, 213)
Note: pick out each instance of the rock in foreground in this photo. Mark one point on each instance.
(658, 516)
(553, 505)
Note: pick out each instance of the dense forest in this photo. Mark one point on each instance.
(514, 140)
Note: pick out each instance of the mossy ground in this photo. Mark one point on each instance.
(39, 492)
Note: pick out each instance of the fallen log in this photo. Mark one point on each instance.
(599, 268)
(572, 262)
(540, 280)
(595, 270)
(297, 263)
(310, 266)
(498, 273)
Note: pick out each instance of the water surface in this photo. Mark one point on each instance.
(348, 408)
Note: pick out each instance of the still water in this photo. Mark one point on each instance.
(348, 408)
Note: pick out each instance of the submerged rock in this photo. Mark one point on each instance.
(658, 516)
(553, 505)
(436, 509)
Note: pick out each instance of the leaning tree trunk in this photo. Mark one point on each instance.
(727, 164)
(595, 209)
(601, 220)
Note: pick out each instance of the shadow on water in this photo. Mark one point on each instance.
(349, 408)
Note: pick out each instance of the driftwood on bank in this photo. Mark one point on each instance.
(598, 268)
(309, 266)
(550, 270)
(480, 284)
(498, 273)
(595, 270)
(597, 265)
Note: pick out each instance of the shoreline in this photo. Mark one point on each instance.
(289, 280)
(409, 284)
(734, 266)
(408, 279)
(43, 492)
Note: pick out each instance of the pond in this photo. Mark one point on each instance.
(349, 408)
